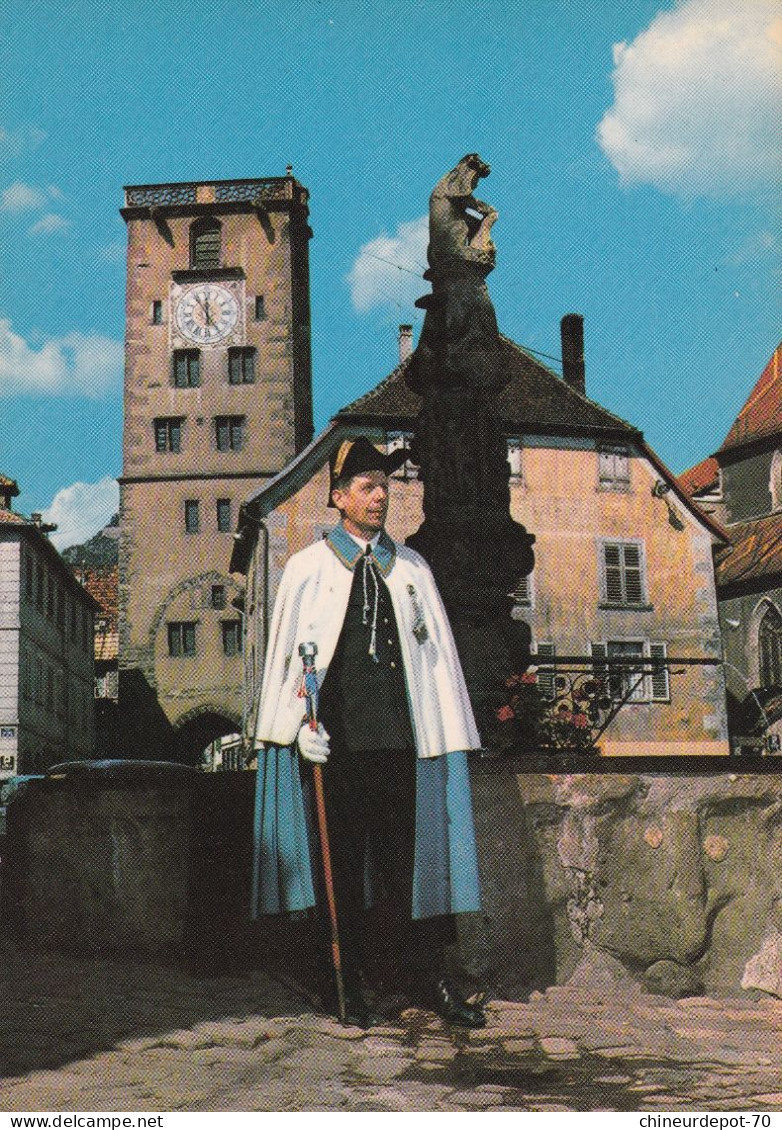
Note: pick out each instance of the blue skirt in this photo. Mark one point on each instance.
(445, 873)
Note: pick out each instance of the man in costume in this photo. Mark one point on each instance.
(395, 723)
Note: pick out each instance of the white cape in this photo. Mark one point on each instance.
(310, 608)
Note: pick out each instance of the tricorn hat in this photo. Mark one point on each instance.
(357, 456)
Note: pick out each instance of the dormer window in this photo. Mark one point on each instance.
(205, 245)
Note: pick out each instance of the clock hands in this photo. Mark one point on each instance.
(207, 314)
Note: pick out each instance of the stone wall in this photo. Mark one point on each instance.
(674, 881)
(670, 880)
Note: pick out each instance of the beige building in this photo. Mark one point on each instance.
(46, 653)
(623, 561)
(217, 401)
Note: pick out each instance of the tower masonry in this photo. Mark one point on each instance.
(218, 399)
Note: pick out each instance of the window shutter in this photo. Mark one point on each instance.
(188, 639)
(234, 367)
(176, 435)
(613, 574)
(546, 675)
(606, 466)
(634, 593)
(599, 652)
(659, 679)
(521, 592)
(249, 367)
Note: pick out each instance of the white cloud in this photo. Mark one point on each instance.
(756, 247)
(77, 364)
(82, 509)
(697, 98)
(19, 197)
(388, 269)
(49, 224)
(15, 142)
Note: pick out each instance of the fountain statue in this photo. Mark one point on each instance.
(476, 549)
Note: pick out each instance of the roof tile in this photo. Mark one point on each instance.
(755, 551)
(703, 477)
(534, 399)
(761, 416)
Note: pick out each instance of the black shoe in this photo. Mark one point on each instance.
(357, 1012)
(454, 1009)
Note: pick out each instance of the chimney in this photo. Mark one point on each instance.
(405, 342)
(573, 372)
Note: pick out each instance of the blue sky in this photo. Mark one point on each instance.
(634, 166)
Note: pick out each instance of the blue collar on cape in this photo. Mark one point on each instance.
(349, 552)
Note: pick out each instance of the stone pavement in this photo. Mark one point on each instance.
(101, 1035)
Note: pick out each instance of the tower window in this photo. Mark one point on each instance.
(181, 638)
(157, 313)
(770, 648)
(192, 516)
(229, 432)
(205, 245)
(260, 308)
(168, 433)
(187, 368)
(224, 523)
(232, 637)
(241, 366)
(218, 596)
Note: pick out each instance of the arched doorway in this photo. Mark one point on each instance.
(199, 731)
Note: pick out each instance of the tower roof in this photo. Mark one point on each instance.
(761, 416)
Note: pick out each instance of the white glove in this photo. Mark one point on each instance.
(314, 744)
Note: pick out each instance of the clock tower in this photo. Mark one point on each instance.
(218, 399)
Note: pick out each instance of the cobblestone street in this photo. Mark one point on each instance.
(99, 1035)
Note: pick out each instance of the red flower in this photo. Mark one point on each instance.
(581, 721)
(504, 714)
(512, 681)
(529, 677)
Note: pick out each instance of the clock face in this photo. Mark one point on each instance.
(207, 313)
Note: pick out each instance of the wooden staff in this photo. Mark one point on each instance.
(308, 651)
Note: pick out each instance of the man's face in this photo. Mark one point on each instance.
(363, 503)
